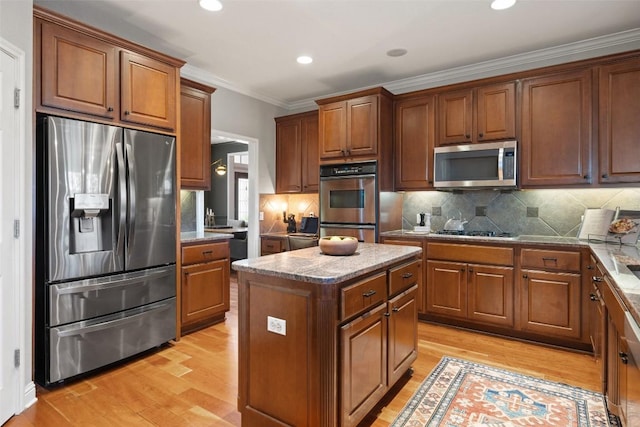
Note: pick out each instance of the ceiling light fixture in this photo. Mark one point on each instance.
(304, 59)
(396, 52)
(211, 5)
(221, 169)
(502, 4)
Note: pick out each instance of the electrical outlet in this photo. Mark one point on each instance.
(277, 326)
(261, 216)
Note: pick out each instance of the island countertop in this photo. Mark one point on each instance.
(311, 265)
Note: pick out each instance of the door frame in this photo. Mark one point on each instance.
(24, 387)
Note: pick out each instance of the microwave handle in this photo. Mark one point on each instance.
(501, 163)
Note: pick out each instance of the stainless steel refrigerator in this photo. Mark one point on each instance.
(105, 245)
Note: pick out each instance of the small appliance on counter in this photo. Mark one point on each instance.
(424, 223)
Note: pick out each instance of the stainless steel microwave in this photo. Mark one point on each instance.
(483, 165)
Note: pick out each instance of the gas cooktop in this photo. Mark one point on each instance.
(477, 233)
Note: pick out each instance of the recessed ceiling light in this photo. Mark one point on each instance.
(304, 59)
(211, 5)
(396, 52)
(502, 4)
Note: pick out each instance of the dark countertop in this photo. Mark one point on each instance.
(203, 237)
(310, 265)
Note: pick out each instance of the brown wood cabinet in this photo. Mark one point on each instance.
(556, 141)
(550, 289)
(421, 243)
(414, 141)
(598, 322)
(82, 71)
(195, 135)
(471, 282)
(205, 294)
(480, 114)
(297, 163)
(358, 127)
(272, 245)
(619, 126)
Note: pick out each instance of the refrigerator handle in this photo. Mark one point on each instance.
(122, 205)
(131, 172)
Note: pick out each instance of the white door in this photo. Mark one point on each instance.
(9, 245)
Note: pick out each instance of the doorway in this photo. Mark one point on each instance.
(253, 224)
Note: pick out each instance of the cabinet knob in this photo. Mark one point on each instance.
(126, 113)
(470, 270)
(524, 276)
(623, 357)
(387, 315)
(593, 297)
(462, 269)
(596, 279)
(605, 176)
(589, 267)
(587, 176)
(395, 309)
(467, 136)
(481, 135)
(110, 109)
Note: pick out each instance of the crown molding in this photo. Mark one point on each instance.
(598, 46)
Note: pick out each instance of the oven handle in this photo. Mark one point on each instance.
(330, 178)
(353, 226)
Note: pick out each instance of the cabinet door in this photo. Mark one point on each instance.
(551, 303)
(597, 327)
(556, 129)
(333, 130)
(288, 157)
(421, 293)
(205, 291)
(455, 117)
(195, 138)
(403, 333)
(310, 158)
(414, 139)
(447, 288)
(362, 126)
(78, 72)
(490, 294)
(148, 91)
(364, 364)
(496, 112)
(619, 124)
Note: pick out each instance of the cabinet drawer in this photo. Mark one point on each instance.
(271, 246)
(206, 252)
(402, 277)
(470, 253)
(550, 260)
(362, 295)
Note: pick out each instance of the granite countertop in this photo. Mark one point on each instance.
(310, 265)
(528, 239)
(203, 236)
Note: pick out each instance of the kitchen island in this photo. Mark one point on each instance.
(323, 338)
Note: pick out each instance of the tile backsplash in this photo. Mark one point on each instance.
(537, 212)
(272, 205)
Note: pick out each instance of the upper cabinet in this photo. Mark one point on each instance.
(297, 168)
(556, 129)
(480, 114)
(619, 128)
(195, 135)
(86, 73)
(358, 127)
(414, 140)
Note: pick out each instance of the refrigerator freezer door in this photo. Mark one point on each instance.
(84, 346)
(88, 298)
(83, 213)
(151, 239)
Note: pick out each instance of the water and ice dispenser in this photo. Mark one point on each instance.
(91, 223)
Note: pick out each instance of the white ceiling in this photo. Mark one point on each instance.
(251, 45)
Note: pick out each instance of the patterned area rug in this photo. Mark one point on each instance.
(459, 393)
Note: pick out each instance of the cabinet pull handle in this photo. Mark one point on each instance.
(387, 315)
(596, 279)
(395, 309)
(623, 357)
(407, 275)
(593, 297)
(209, 252)
(605, 176)
(550, 259)
(369, 293)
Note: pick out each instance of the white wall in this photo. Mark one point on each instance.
(16, 26)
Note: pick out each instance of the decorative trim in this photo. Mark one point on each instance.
(585, 49)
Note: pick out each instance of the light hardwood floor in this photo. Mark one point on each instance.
(194, 382)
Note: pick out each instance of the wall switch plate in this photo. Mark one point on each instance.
(277, 326)
(261, 216)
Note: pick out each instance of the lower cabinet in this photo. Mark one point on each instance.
(272, 245)
(205, 285)
(421, 298)
(551, 297)
(598, 323)
(473, 291)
